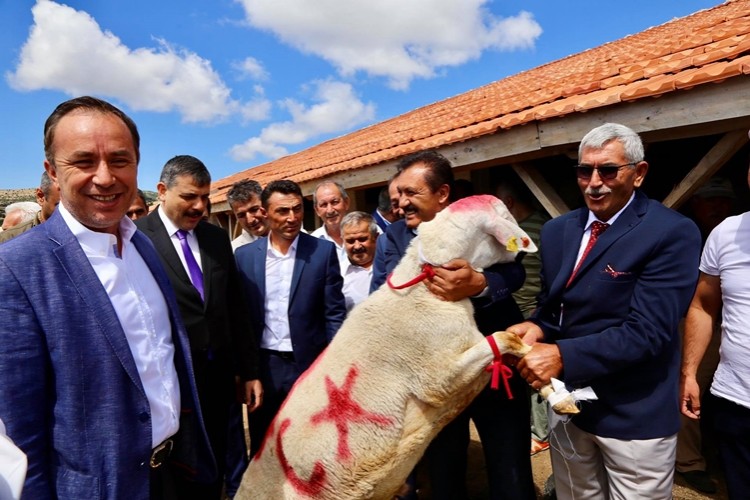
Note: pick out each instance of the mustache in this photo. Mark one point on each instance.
(194, 213)
(598, 191)
(359, 250)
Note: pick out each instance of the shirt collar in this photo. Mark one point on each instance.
(168, 224)
(292, 248)
(95, 242)
(612, 219)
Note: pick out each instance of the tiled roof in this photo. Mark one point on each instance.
(709, 46)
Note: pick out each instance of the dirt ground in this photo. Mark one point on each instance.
(542, 469)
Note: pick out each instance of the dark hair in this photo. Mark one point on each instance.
(184, 165)
(439, 169)
(384, 200)
(142, 196)
(91, 104)
(243, 190)
(45, 184)
(281, 186)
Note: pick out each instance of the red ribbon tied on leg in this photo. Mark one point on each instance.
(498, 368)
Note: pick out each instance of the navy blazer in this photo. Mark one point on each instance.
(71, 395)
(619, 331)
(316, 303)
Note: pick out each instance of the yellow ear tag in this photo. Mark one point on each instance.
(512, 244)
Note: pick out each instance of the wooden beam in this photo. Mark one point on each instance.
(724, 149)
(541, 189)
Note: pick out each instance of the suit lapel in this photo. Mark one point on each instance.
(570, 244)
(259, 267)
(627, 220)
(90, 290)
(303, 249)
(165, 247)
(207, 260)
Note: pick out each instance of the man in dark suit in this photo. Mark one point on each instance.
(424, 184)
(293, 290)
(199, 262)
(97, 385)
(613, 295)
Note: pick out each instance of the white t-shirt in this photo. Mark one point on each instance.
(727, 255)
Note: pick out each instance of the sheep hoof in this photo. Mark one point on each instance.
(566, 406)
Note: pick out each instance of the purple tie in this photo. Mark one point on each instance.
(597, 228)
(196, 275)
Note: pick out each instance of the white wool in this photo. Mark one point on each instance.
(418, 362)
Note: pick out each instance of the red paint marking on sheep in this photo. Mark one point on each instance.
(311, 487)
(343, 410)
(473, 203)
(269, 432)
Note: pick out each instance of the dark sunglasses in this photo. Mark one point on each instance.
(606, 172)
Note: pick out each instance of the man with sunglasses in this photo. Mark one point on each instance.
(617, 277)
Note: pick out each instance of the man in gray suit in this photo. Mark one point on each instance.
(97, 384)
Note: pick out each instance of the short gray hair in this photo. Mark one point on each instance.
(356, 217)
(242, 191)
(344, 196)
(601, 135)
(28, 209)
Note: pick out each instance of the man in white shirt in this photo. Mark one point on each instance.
(293, 289)
(360, 233)
(95, 357)
(724, 270)
(244, 200)
(331, 203)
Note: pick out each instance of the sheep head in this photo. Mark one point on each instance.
(479, 229)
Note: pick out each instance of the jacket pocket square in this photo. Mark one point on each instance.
(615, 273)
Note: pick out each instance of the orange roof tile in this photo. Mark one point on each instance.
(708, 46)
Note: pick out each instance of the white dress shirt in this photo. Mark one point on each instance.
(356, 284)
(279, 269)
(142, 310)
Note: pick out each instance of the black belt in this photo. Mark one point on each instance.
(160, 454)
(285, 355)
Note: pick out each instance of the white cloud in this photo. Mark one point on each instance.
(68, 51)
(336, 109)
(251, 68)
(396, 39)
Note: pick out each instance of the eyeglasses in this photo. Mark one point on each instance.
(606, 172)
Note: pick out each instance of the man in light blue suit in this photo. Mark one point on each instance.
(97, 385)
(293, 287)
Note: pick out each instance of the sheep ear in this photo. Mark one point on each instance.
(511, 236)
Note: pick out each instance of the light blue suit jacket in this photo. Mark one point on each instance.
(316, 303)
(70, 394)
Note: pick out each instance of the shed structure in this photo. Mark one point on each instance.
(683, 86)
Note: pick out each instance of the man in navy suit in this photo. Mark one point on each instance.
(293, 288)
(424, 181)
(608, 318)
(97, 383)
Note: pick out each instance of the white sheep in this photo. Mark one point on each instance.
(402, 366)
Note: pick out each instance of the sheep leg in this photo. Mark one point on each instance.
(510, 343)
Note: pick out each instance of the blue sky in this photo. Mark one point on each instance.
(238, 83)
